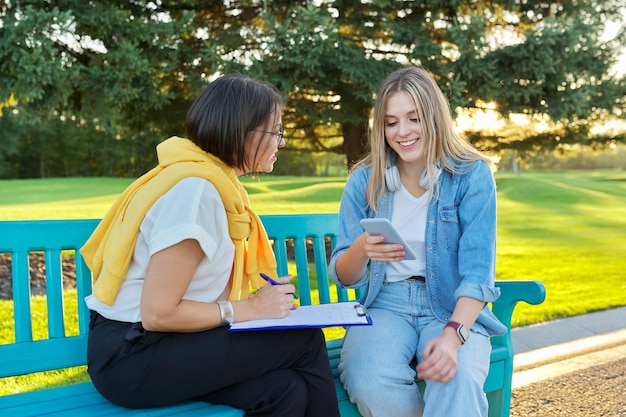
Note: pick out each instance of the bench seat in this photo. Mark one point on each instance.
(82, 400)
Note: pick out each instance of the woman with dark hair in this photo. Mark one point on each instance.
(173, 263)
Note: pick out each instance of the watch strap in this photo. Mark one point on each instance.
(461, 332)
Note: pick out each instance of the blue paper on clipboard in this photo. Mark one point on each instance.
(349, 313)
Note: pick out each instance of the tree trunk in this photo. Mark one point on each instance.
(42, 167)
(514, 164)
(354, 142)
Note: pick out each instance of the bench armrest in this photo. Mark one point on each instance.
(531, 292)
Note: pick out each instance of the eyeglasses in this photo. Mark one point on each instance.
(278, 135)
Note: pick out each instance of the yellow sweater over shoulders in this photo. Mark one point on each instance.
(109, 250)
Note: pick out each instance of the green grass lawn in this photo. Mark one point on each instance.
(85, 198)
(566, 229)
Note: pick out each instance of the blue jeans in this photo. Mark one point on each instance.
(378, 362)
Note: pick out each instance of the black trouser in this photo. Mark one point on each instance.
(266, 373)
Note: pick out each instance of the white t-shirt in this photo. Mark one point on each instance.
(191, 209)
(409, 218)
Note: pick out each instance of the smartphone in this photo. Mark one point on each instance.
(381, 226)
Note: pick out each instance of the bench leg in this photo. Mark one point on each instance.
(497, 406)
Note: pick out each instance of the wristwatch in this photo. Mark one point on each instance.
(461, 330)
(226, 312)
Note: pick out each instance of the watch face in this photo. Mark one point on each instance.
(463, 332)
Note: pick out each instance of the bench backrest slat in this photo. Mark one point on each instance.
(54, 293)
(21, 294)
(83, 289)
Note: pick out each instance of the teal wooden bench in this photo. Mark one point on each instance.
(305, 238)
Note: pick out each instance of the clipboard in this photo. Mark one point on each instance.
(348, 313)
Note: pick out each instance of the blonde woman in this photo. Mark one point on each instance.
(439, 193)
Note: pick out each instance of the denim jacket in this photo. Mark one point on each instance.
(460, 241)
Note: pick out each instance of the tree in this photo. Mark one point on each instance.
(128, 70)
(118, 71)
(561, 76)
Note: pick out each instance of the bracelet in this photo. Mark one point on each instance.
(226, 312)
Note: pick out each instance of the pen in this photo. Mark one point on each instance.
(271, 281)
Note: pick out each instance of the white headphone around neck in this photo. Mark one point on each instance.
(392, 178)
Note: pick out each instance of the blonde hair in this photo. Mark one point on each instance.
(445, 148)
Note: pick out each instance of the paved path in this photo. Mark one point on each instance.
(557, 341)
(574, 367)
(559, 331)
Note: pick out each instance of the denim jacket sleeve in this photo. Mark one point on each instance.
(353, 208)
(475, 254)
(477, 241)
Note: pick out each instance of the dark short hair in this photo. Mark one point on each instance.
(226, 111)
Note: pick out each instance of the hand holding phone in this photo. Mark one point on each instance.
(381, 226)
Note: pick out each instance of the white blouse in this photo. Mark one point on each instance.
(191, 209)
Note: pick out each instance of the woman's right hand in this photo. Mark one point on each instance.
(350, 266)
(376, 249)
(273, 301)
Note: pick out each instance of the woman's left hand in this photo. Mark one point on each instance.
(439, 358)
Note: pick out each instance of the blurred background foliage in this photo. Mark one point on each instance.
(89, 88)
